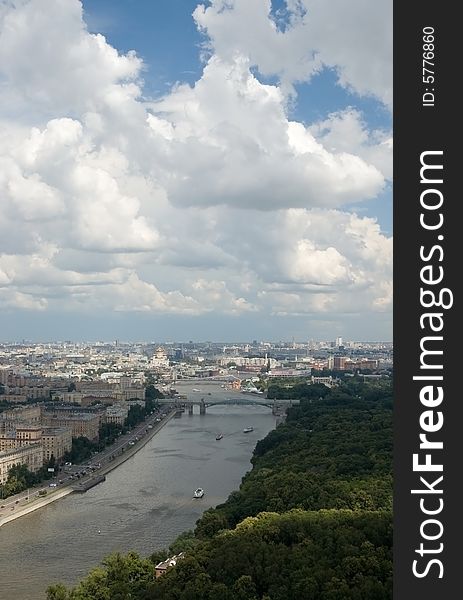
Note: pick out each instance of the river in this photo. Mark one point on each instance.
(143, 504)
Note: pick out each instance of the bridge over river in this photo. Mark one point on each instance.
(183, 403)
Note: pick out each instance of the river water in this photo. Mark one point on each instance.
(143, 504)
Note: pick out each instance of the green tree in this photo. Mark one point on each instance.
(219, 591)
(210, 523)
(136, 415)
(185, 542)
(81, 450)
(244, 588)
(312, 520)
(57, 592)
(19, 479)
(152, 393)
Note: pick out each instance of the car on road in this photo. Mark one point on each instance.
(52, 485)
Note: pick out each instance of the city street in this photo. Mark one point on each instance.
(80, 473)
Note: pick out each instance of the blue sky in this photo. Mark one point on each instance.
(164, 34)
(207, 170)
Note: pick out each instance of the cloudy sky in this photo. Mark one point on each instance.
(183, 170)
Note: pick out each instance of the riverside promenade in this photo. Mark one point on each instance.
(110, 458)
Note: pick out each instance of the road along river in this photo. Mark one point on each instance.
(143, 504)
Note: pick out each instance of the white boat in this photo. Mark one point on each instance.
(196, 390)
(219, 436)
(199, 493)
(248, 429)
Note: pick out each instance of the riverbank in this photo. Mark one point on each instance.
(36, 503)
(143, 505)
(121, 458)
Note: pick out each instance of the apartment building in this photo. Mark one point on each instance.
(80, 424)
(31, 456)
(56, 442)
(13, 435)
(31, 414)
(117, 414)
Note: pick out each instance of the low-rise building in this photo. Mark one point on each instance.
(328, 381)
(164, 565)
(289, 373)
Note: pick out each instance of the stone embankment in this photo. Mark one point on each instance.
(39, 502)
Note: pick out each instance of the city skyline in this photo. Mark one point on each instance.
(170, 341)
(195, 170)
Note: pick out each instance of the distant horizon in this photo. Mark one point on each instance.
(194, 341)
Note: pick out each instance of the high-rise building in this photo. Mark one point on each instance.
(339, 363)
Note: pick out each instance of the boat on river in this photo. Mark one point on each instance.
(219, 436)
(248, 429)
(199, 493)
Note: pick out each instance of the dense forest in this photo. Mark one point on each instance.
(311, 521)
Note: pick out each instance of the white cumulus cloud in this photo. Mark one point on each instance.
(354, 38)
(210, 199)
